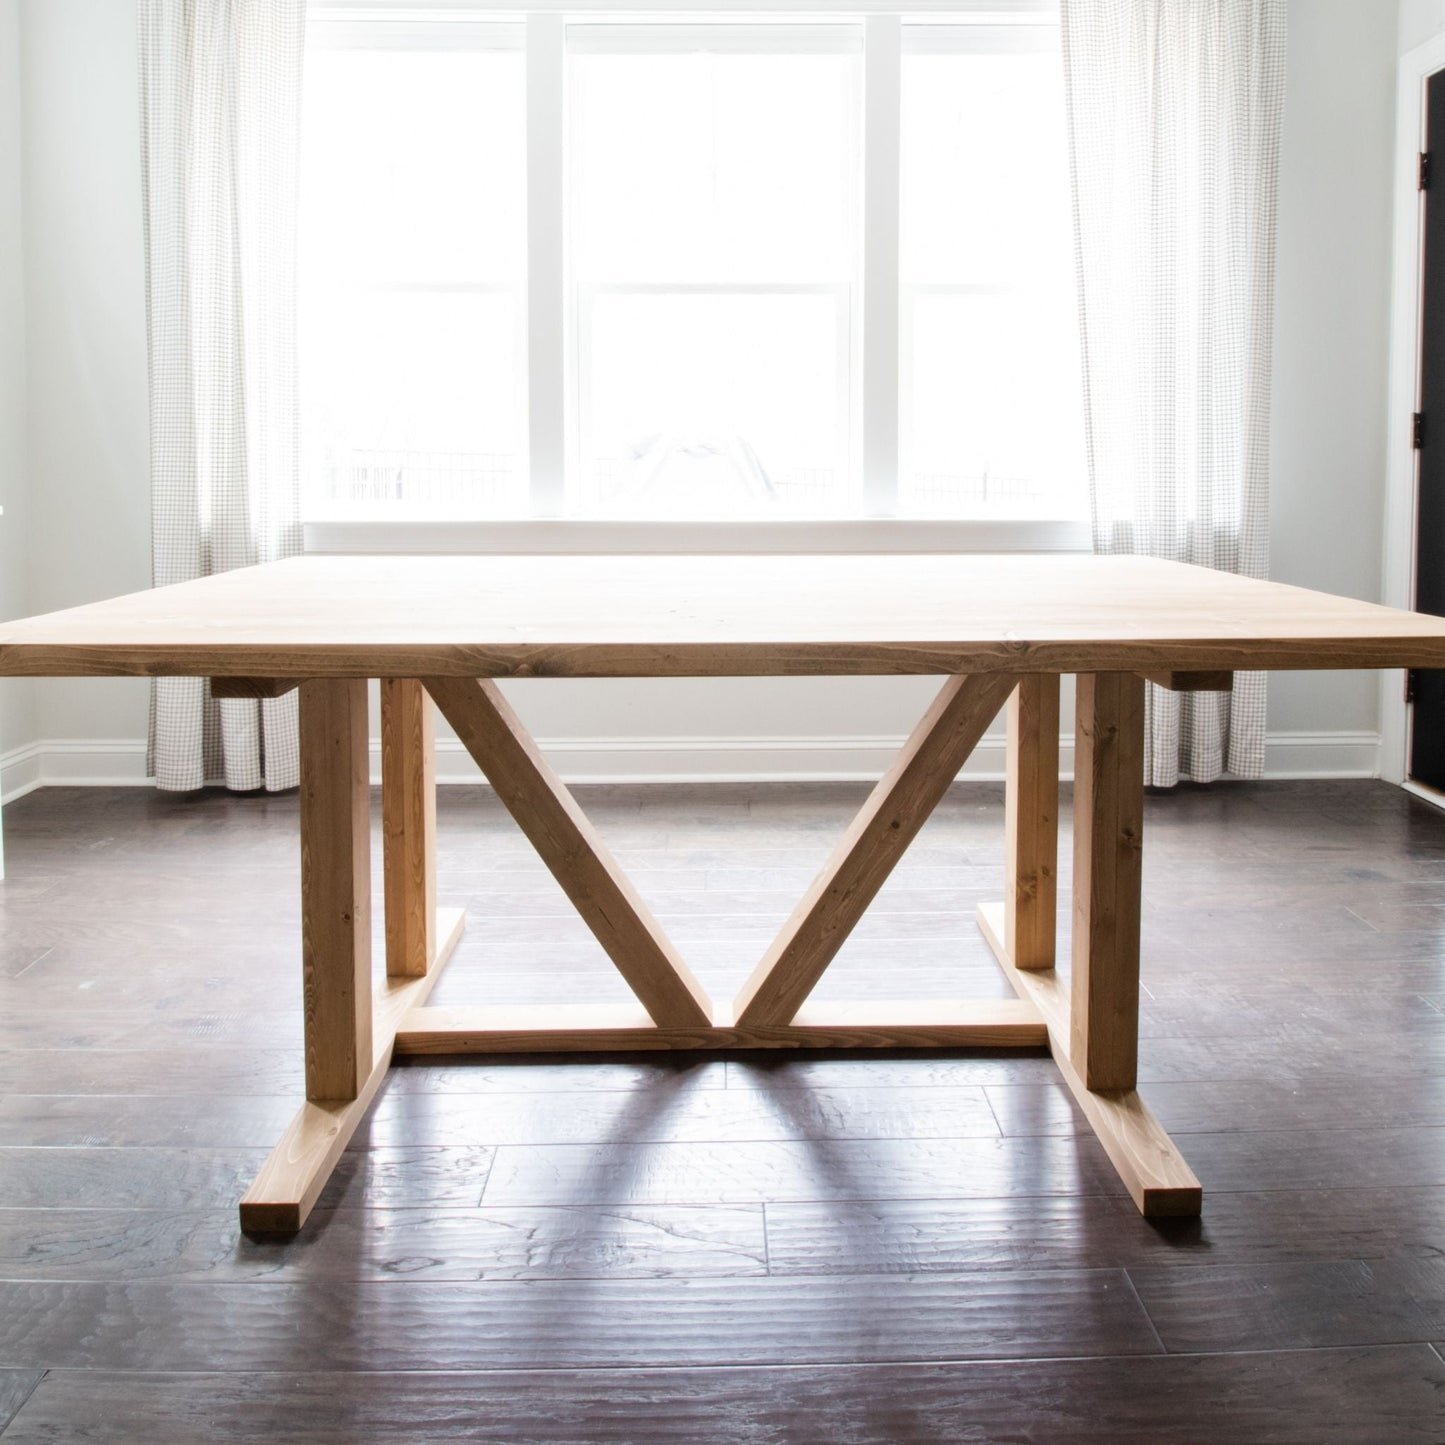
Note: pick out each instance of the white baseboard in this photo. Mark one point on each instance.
(120, 762)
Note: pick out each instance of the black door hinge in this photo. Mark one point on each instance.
(1417, 430)
(1410, 685)
(1424, 170)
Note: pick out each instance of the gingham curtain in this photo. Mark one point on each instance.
(220, 86)
(1174, 113)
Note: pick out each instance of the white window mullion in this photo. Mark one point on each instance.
(882, 98)
(546, 390)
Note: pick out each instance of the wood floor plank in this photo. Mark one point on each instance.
(93, 1245)
(1320, 1158)
(115, 1121)
(125, 1178)
(1314, 1305)
(204, 1178)
(1326, 1397)
(761, 1172)
(680, 1112)
(907, 1235)
(15, 1388)
(420, 1325)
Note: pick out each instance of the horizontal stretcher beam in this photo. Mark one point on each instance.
(912, 1023)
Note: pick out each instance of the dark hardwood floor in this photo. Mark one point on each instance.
(758, 1251)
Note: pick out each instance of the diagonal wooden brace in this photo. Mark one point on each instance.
(868, 852)
(568, 844)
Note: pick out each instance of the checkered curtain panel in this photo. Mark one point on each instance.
(1174, 113)
(220, 85)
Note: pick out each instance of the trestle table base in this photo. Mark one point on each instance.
(1092, 1034)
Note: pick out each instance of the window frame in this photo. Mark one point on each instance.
(874, 298)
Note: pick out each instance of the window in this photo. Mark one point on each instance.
(412, 267)
(714, 265)
(776, 269)
(990, 397)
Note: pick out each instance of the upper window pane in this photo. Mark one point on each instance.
(984, 175)
(714, 186)
(713, 166)
(411, 307)
(991, 397)
(415, 164)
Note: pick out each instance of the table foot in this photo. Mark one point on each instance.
(1154, 1172)
(289, 1183)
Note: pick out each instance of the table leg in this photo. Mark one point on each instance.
(1031, 822)
(1108, 858)
(1093, 1028)
(335, 886)
(408, 826)
(350, 1033)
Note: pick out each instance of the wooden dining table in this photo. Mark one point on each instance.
(438, 631)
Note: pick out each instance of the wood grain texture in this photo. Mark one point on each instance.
(1264, 1227)
(412, 1241)
(570, 847)
(336, 887)
(1031, 822)
(551, 1324)
(942, 1023)
(1327, 1397)
(15, 1388)
(768, 1172)
(871, 848)
(291, 1180)
(408, 826)
(1311, 1305)
(1108, 878)
(668, 616)
(1152, 1168)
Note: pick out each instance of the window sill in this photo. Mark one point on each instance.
(566, 535)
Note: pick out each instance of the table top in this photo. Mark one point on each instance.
(617, 616)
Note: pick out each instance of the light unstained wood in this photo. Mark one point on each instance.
(335, 806)
(1151, 1167)
(1031, 822)
(910, 1023)
(253, 687)
(527, 616)
(868, 852)
(570, 847)
(1108, 864)
(408, 826)
(1193, 681)
(290, 1182)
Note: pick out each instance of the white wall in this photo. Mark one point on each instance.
(85, 326)
(17, 709)
(1332, 313)
(1419, 20)
(85, 336)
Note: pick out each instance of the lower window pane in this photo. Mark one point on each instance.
(712, 405)
(414, 397)
(993, 415)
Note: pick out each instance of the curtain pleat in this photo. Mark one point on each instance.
(220, 86)
(1174, 111)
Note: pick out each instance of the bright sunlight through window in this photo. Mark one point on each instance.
(696, 317)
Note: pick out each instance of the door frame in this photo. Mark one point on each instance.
(1401, 460)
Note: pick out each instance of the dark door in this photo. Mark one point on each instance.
(1427, 747)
